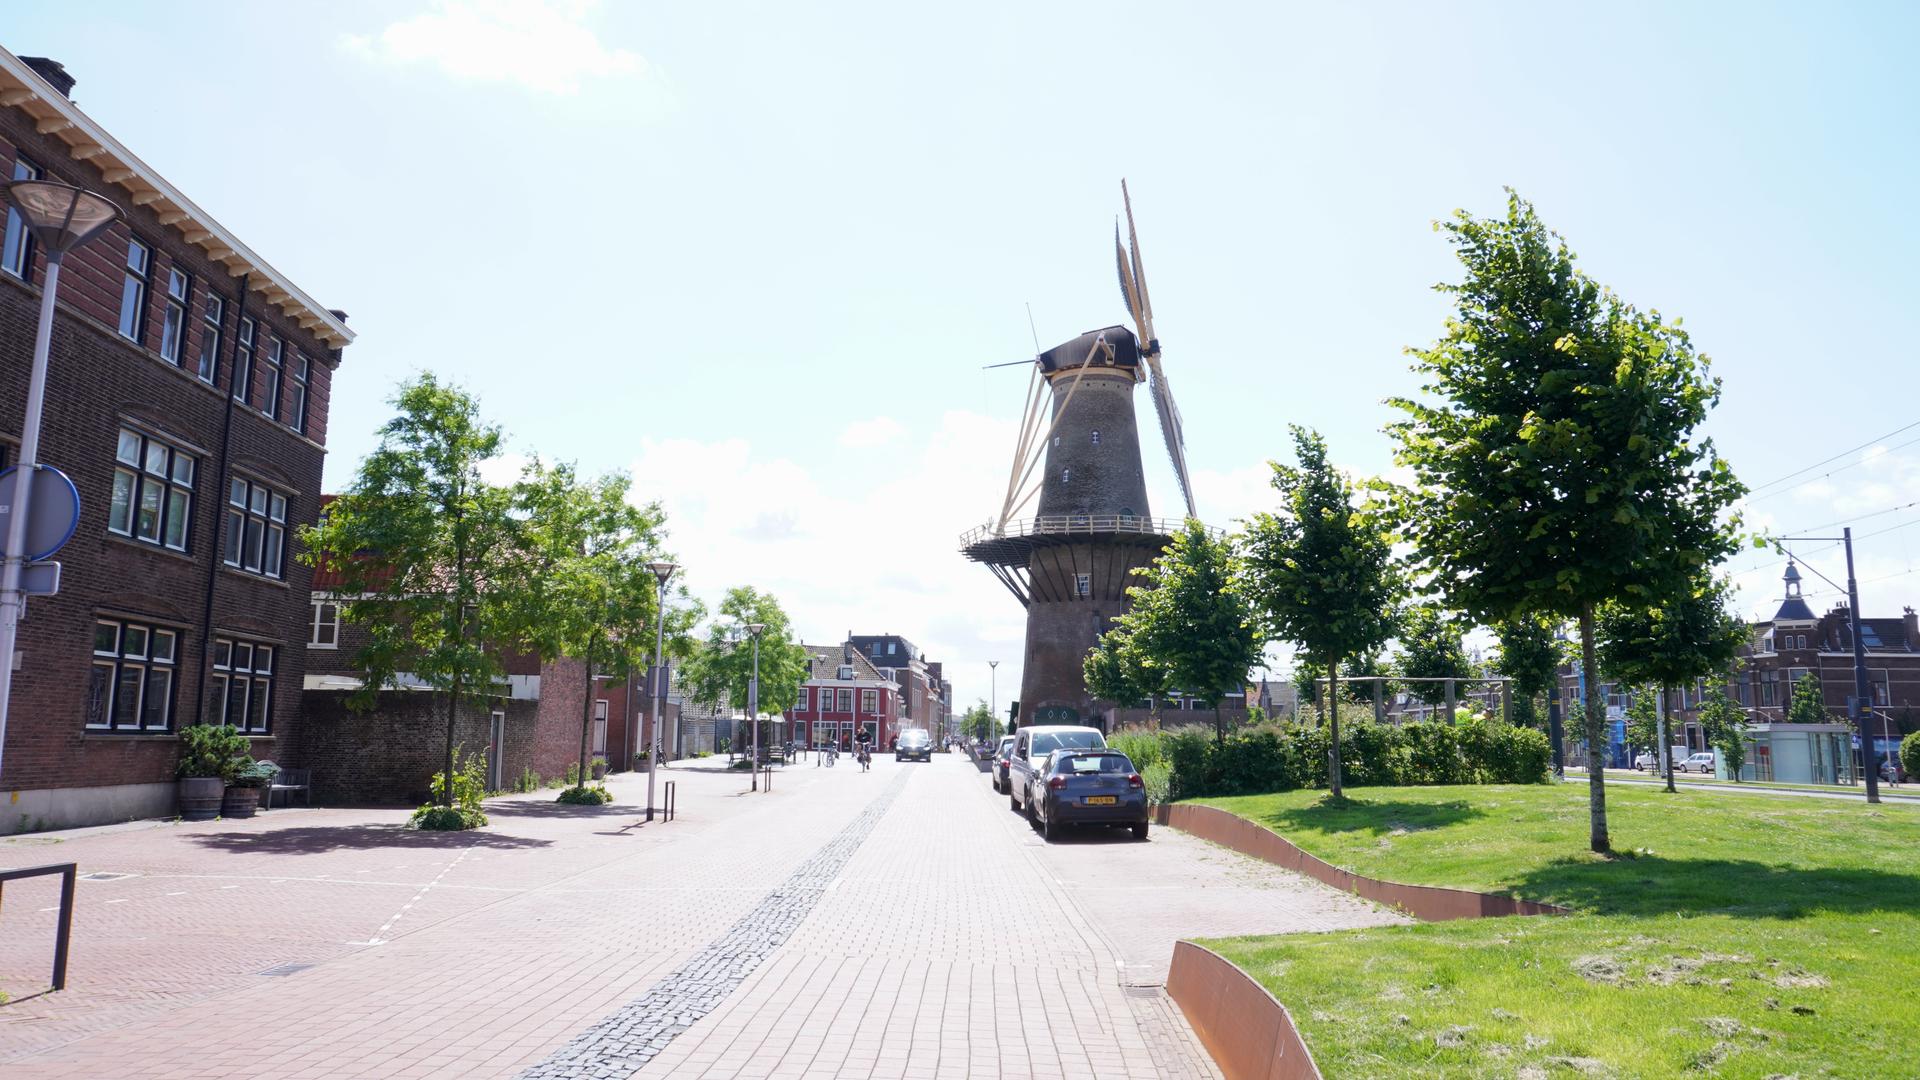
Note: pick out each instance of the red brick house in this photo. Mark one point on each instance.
(844, 695)
(187, 399)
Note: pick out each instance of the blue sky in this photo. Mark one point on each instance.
(758, 253)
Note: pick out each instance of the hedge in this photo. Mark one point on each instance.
(1284, 758)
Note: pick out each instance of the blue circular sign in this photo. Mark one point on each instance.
(52, 515)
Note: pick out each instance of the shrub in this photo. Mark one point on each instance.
(255, 774)
(1158, 777)
(469, 788)
(529, 780)
(573, 774)
(585, 795)
(446, 819)
(208, 750)
(1910, 754)
(1141, 747)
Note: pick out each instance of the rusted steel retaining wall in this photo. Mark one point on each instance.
(1423, 902)
(1249, 1034)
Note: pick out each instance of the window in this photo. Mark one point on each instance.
(326, 625)
(241, 690)
(297, 395)
(16, 257)
(1066, 476)
(845, 700)
(270, 376)
(211, 313)
(1096, 437)
(1083, 584)
(243, 363)
(131, 687)
(890, 648)
(869, 701)
(800, 703)
(256, 528)
(173, 328)
(133, 291)
(152, 491)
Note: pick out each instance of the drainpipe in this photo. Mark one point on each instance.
(220, 490)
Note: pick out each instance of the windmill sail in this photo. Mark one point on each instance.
(1133, 288)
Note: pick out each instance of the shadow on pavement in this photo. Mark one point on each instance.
(319, 839)
(1070, 835)
(533, 808)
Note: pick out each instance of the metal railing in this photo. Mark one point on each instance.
(1074, 525)
(69, 875)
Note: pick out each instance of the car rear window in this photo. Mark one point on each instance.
(1096, 763)
(1046, 741)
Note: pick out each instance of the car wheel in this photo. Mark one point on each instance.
(1013, 801)
(1033, 816)
(1139, 830)
(1048, 831)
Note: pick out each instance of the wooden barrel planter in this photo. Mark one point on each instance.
(200, 797)
(240, 802)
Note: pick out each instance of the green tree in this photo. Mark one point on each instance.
(1116, 671)
(721, 669)
(582, 557)
(1670, 643)
(422, 548)
(1725, 725)
(1808, 704)
(1555, 461)
(1320, 573)
(1530, 658)
(980, 723)
(1430, 648)
(1643, 721)
(1188, 627)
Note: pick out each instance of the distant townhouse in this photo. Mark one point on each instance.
(187, 399)
(844, 697)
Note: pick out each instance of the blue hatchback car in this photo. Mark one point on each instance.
(1089, 787)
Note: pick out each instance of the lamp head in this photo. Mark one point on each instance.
(754, 628)
(60, 216)
(663, 570)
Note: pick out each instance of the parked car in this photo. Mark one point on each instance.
(1646, 759)
(999, 768)
(1088, 787)
(1029, 755)
(1701, 762)
(914, 744)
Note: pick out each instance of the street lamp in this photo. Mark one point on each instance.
(60, 217)
(993, 697)
(753, 699)
(1857, 709)
(661, 572)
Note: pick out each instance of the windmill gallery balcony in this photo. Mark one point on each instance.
(1014, 542)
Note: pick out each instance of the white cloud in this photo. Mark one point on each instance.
(867, 434)
(542, 45)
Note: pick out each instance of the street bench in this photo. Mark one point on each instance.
(290, 781)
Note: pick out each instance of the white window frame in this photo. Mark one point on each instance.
(243, 356)
(870, 702)
(16, 257)
(135, 650)
(136, 279)
(213, 312)
(172, 483)
(240, 689)
(297, 392)
(173, 325)
(273, 375)
(326, 617)
(256, 528)
(800, 703)
(1083, 584)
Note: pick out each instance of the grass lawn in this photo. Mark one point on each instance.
(1733, 937)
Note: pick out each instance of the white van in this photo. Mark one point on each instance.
(1030, 749)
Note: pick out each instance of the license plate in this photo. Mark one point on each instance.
(1099, 800)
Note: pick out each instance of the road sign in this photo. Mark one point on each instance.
(52, 516)
(41, 578)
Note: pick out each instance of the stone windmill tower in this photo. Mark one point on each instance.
(1071, 562)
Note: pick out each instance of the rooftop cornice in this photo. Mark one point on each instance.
(22, 88)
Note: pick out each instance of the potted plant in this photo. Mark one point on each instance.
(599, 767)
(640, 760)
(209, 757)
(243, 794)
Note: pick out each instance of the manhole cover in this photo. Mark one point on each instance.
(286, 969)
(103, 875)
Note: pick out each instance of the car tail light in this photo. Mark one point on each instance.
(1057, 783)
(1133, 780)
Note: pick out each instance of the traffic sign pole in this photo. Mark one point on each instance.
(12, 598)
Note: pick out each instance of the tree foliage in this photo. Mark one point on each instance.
(1188, 628)
(1116, 670)
(1555, 457)
(721, 669)
(1643, 722)
(1808, 704)
(422, 549)
(979, 722)
(1430, 648)
(1674, 642)
(1725, 725)
(1320, 573)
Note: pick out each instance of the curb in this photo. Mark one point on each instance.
(1246, 1030)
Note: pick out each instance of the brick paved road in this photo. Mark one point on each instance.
(893, 923)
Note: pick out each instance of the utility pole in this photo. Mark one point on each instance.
(1858, 708)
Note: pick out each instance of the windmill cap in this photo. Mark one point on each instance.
(1069, 355)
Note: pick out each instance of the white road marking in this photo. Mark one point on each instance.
(424, 889)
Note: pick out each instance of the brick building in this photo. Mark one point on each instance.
(845, 695)
(926, 699)
(187, 399)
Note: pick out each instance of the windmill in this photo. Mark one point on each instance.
(1071, 561)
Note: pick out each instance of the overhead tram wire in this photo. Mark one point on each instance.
(1744, 571)
(1836, 457)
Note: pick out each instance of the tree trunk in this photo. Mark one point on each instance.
(1219, 726)
(460, 641)
(1666, 739)
(1595, 711)
(586, 717)
(1333, 727)
(453, 707)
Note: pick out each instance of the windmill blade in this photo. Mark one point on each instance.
(1175, 436)
(1127, 291)
(1143, 307)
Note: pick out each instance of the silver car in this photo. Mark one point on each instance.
(1031, 745)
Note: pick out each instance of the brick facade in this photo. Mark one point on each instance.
(100, 384)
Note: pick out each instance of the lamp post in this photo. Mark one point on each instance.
(993, 695)
(60, 217)
(1857, 710)
(753, 699)
(661, 572)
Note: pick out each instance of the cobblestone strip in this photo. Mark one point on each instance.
(619, 1045)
